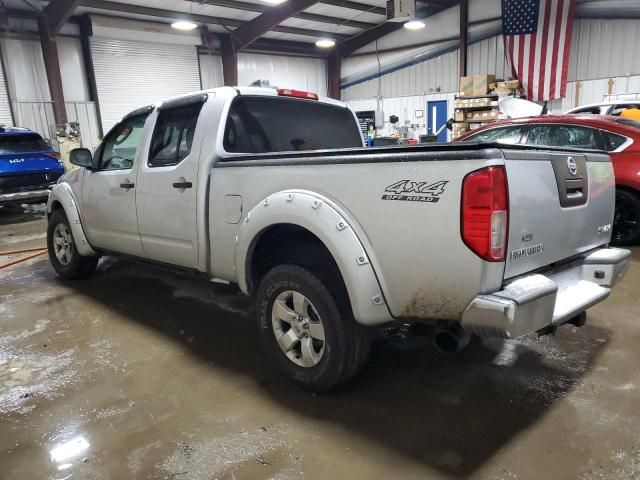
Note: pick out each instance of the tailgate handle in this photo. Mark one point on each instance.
(574, 188)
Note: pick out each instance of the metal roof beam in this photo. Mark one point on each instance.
(269, 20)
(347, 47)
(255, 7)
(362, 7)
(57, 13)
(174, 15)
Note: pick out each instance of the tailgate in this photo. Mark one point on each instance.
(561, 204)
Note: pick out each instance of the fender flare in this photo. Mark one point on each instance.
(325, 220)
(62, 194)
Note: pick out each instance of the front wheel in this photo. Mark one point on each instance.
(626, 220)
(63, 254)
(307, 330)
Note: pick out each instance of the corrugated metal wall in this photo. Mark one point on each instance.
(600, 49)
(487, 56)
(308, 74)
(27, 83)
(605, 48)
(432, 76)
(5, 107)
(211, 75)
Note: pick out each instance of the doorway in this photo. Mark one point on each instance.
(436, 118)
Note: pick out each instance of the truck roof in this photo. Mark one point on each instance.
(256, 91)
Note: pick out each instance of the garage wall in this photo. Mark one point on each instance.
(29, 89)
(131, 74)
(405, 109)
(601, 48)
(5, 108)
(605, 48)
(72, 70)
(309, 74)
(439, 74)
(27, 85)
(211, 75)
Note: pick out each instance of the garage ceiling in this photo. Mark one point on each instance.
(342, 20)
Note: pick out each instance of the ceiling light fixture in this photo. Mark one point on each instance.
(274, 2)
(325, 43)
(184, 25)
(414, 25)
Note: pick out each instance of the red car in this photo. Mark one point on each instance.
(619, 137)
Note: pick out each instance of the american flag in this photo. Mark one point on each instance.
(537, 37)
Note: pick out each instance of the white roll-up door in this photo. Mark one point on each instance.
(131, 74)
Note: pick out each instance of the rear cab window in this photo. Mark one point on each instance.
(277, 124)
(22, 143)
(173, 134)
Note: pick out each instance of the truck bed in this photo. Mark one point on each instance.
(413, 240)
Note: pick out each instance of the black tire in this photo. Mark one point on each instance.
(626, 221)
(78, 267)
(347, 344)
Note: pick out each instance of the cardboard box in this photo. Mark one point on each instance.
(458, 116)
(482, 115)
(466, 86)
(481, 84)
(459, 129)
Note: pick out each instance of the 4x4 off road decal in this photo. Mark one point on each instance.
(411, 191)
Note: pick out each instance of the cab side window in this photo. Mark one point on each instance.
(118, 150)
(173, 135)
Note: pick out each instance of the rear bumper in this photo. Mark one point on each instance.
(531, 303)
(17, 197)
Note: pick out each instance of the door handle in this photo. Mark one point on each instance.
(182, 185)
(127, 186)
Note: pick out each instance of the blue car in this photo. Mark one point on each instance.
(29, 167)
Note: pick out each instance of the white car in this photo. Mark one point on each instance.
(606, 108)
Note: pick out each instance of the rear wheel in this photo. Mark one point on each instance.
(63, 254)
(626, 221)
(308, 331)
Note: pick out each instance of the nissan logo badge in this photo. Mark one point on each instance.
(572, 166)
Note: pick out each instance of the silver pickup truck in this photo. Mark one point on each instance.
(272, 190)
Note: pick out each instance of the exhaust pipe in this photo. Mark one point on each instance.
(451, 339)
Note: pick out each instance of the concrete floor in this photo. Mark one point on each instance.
(139, 373)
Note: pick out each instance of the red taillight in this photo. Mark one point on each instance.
(55, 155)
(485, 213)
(287, 92)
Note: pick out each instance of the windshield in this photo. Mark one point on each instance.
(277, 124)
(27, 143)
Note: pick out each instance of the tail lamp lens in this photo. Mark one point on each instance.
(485, 213)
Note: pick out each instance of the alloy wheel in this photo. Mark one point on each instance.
(298, 329)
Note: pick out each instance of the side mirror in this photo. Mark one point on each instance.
(81, 157)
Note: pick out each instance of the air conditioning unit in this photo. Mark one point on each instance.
(400, 10)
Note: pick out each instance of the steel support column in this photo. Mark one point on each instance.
(229, 61)
(333, 75)
(52, 67)
(464, 28)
